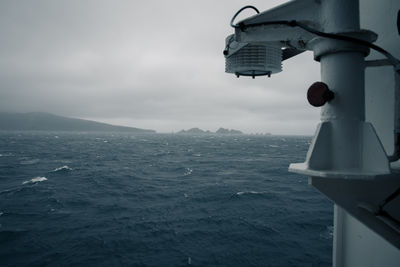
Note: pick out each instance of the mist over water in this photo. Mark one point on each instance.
(99, 199)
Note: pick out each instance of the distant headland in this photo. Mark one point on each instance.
(40, 121)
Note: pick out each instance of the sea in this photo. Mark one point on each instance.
(123, 199)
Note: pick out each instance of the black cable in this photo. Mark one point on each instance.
(391, 58)
(226, 50)
(390, 198)
(239, 11)
(382, 212)
(293, 23)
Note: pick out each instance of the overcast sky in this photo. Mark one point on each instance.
(147, 64)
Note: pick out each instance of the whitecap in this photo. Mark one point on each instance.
(273, 146)
(1, 213)
(248, 193)
(29, 161)
(63, 168)
(188, 172)
(35, 180)
(327, 233)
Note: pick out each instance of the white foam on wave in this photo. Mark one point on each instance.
(36, 180)
(249, 193)
(63, 168)
(188, 172)
(29, 161)
(327, 233)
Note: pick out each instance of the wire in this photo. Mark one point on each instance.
(395, 62)
(293, 23)
(226, 50)
(239, 11)
(389, 198)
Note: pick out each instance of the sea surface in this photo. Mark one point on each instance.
(119, 199)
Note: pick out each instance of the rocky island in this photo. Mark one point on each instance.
(219, 131)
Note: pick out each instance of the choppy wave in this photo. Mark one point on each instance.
(62, 169)
(36, 180)
(136, 202)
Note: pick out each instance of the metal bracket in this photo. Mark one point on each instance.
(348, 150)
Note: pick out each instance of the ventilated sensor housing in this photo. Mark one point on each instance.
(255, 60)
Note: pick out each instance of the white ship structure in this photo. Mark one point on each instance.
(354, 156)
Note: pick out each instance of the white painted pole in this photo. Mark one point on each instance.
(343, 71)
(338, 236)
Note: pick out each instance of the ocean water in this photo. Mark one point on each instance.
(102, 199)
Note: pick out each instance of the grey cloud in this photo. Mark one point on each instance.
(150, 64)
